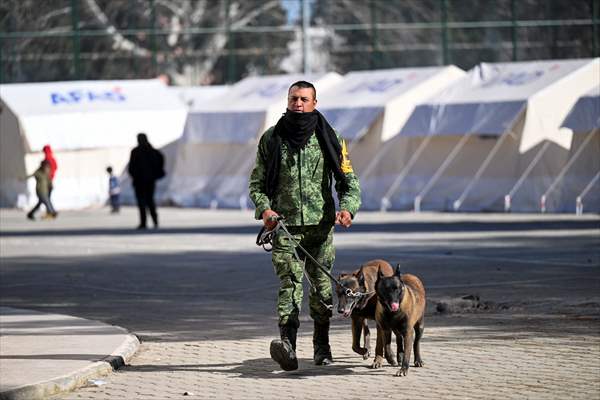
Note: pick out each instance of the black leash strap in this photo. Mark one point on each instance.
(265, 237)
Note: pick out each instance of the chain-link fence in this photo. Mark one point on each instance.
(219, 41)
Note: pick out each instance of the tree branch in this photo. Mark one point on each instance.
(119, 41)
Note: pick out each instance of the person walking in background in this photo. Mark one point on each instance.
(296, 164)
(146, 166)
(42, 190)
(49, 156)
(114, 191)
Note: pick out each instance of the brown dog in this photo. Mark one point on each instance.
(400, 309)
(362, 308)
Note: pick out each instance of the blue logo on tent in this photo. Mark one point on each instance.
(80, 96)
(379, 86)
(515, 78)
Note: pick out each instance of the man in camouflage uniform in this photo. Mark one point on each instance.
(296, 163)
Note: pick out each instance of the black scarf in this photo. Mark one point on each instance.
(296, 129)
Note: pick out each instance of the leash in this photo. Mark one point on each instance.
(265, 237)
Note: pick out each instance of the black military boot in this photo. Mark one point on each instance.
(283, 351)
(322, 354)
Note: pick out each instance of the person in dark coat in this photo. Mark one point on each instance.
(146, 166)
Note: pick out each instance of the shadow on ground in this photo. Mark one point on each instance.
(218, 295)
(396, 227)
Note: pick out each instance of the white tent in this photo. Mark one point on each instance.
(469, 145)
(192, 97)
(195, 97)
(89, 125)
(577, 186)
(369, 107)
(218, 147)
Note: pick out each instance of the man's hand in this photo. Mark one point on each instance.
(269, 218)
(343, 218)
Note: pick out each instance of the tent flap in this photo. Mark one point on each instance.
(585, 115)
(457, 119)
(223, 127)
(352, 123)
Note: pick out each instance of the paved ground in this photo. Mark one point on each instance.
(42, 354)
(201, 297)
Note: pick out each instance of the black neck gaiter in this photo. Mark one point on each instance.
(296, 130)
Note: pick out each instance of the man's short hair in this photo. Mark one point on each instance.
(304, 85)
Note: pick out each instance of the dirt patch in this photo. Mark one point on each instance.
(468, 303)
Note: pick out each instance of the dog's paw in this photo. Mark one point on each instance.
(391, 361)
(402, 371)
(378, 363)
(363, 351)
(419, 363)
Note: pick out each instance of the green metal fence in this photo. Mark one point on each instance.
(69, 44)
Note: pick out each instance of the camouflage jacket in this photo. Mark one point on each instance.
(304, 192)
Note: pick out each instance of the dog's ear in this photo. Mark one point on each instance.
(397, 271)
(361, 278)
(380, 274)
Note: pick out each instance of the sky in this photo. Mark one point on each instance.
(294, 9)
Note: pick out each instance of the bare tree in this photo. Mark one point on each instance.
(190, 40)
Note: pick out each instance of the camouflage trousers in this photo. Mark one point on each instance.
(290, 264)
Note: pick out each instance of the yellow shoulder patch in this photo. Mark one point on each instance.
(346, 166)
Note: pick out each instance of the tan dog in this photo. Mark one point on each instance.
(400, 309)
(362, 308)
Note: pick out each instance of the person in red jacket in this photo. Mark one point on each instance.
(49, 157)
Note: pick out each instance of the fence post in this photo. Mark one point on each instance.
(375, 52)
(595, 30)
(230, 57)
(1, 63)
(76, 38)
(444, 23)
(153, 36)
(513, 10)
(306, 36)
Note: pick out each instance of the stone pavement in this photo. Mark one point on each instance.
(42, 354)
(200, 296)
(460, 363)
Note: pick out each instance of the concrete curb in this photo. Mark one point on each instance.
(76, 379)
